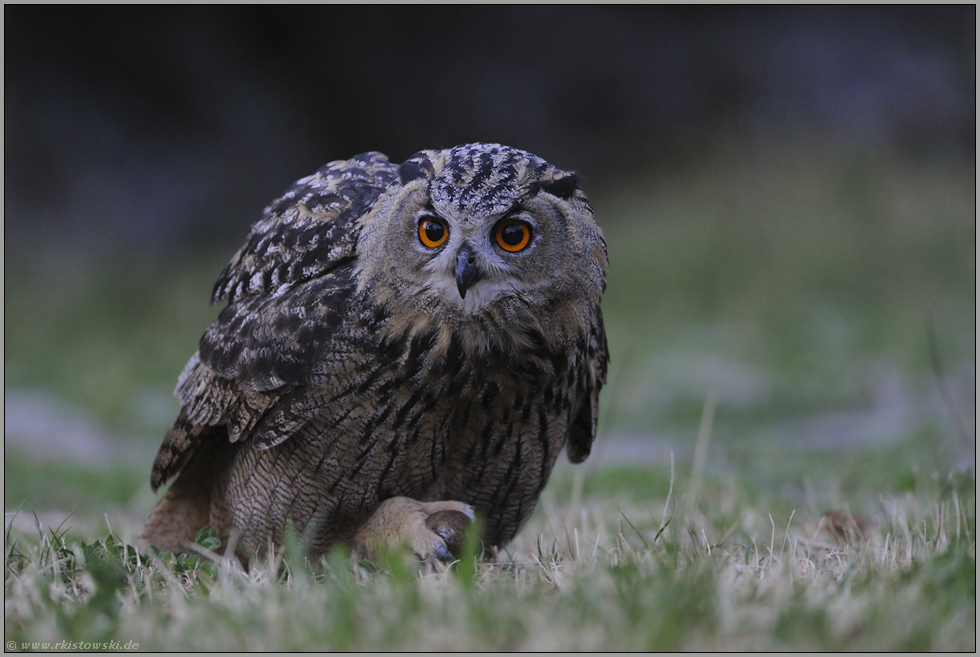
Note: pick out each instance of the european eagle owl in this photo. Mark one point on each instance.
(399, 341)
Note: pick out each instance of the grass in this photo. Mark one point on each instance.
(594, 570)
(788, 283)
(107, 340)
(52, 484)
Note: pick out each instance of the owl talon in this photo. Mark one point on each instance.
(451, 526)
(441, 552)
(431, 529)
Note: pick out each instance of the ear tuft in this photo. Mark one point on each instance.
(563, 186)
(415, 168)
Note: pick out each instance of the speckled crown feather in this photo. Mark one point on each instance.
(486, 179)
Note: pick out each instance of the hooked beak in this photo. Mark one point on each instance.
(467, 272)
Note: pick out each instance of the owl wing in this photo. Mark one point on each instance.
(307, 231)
(287, 289)
(583, 430)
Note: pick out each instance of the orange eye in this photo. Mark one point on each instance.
(513, 236)
(432, 232)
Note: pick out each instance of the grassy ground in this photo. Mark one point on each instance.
(613, 559)
(824, 304)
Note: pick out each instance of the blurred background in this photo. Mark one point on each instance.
(788, 195)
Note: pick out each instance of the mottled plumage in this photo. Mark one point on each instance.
(429, 330)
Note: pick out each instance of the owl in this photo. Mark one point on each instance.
(403, 345)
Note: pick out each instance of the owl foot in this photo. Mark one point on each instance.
(431, 529)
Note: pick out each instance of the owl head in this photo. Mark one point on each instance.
(479, 226)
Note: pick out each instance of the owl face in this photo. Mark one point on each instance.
(472, 226)
(471, 260)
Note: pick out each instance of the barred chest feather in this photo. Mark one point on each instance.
(453, 413)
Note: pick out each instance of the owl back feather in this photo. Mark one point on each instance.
(308, 230)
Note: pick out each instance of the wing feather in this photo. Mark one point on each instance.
(308, 230)
(583, 430)
(287, 290)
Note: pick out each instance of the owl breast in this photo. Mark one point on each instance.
(489, 419)
(432, 413)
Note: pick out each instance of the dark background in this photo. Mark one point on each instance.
(141, 133)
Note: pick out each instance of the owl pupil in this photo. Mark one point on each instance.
(512, 235)
(434, 231)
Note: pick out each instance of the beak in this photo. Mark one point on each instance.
(466, 270)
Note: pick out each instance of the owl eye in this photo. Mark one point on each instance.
(513, 235)
(432, 232)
